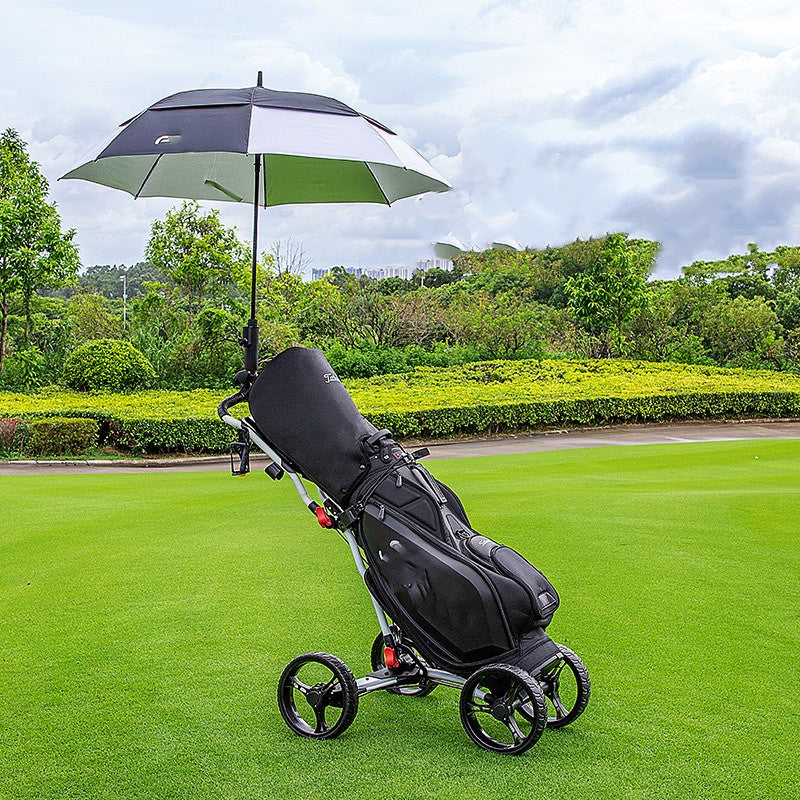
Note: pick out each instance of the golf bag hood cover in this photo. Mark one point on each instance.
(301, 407)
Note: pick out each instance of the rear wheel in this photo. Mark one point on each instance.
(421, 689)
(567, 688)
(318, 696)
(491, 707)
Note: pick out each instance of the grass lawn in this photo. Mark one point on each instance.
(145, 619)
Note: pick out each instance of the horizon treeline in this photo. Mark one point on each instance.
(585, 299)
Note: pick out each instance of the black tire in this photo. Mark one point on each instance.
(491, 706)
(567, 688)
(420, 689)
(321, 682)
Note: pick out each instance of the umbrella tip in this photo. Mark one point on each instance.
(260, 81)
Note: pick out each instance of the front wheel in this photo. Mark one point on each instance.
(566, 686)
(503, 709)
(318, 696)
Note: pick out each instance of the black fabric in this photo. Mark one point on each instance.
(189, 130)
(448, 597)
(462, 598)
(258, 96)
(209, 120)
(212, 120)
(305, 413)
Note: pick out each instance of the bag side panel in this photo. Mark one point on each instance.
(446, 596)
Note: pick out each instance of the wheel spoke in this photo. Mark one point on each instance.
(481, 707)
(299, 685)
(526, 709)
(516, 731)
(522, 702)
(319, 716)
(561, 709)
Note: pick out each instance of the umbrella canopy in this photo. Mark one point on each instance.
(201, 144)
(258, 146)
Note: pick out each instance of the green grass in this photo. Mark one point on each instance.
(144, 620)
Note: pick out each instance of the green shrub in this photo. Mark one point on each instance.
(483, 397)
(56, 436)
(110, 364)
(192, 435)
(11, 432)
(366, 361)
(23, 369)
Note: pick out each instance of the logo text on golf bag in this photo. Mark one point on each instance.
(331, 377)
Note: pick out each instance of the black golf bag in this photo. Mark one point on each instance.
(462, 599)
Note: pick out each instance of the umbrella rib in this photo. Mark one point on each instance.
(147, 177)
(378, 184)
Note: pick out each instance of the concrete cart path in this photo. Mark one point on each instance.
(502, 445)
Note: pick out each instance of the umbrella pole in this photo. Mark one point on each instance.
(249, 340)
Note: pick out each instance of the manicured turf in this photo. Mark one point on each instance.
(144, 620)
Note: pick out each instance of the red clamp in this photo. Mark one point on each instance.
(390, 658)
(323, 518)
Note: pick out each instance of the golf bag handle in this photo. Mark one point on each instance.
(371, 441)
(233, 400)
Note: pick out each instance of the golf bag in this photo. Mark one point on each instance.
(462, 599)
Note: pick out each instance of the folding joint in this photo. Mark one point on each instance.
(321, 514)
(348, 517)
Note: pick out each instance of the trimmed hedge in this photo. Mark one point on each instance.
(484, 397)
(193, 435)
(490, 419)
(57, 436)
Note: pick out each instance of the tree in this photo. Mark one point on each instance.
(743, 333)
(34, 253)
(607, 294)
(289, 256)
(197, 251)
(107, 279)
(92, 316)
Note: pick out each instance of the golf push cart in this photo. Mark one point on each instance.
(454, 608)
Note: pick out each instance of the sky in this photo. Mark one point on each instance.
(674, 121)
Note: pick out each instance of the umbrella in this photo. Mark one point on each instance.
(258, 146)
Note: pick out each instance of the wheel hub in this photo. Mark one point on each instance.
(314, 697)
(500, 710)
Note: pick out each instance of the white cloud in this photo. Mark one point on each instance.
(679, 121)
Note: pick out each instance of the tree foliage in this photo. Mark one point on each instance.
(197, 252)
(189, 297)
(606, 294)
(34, 252)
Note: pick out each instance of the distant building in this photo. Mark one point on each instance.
(434, 263)
(388, 272)
(377, 273)
(507, 244)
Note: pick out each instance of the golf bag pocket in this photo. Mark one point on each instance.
(508, 562)
(454, 602)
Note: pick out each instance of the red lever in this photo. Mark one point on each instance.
(390, 658)
(323, 518)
